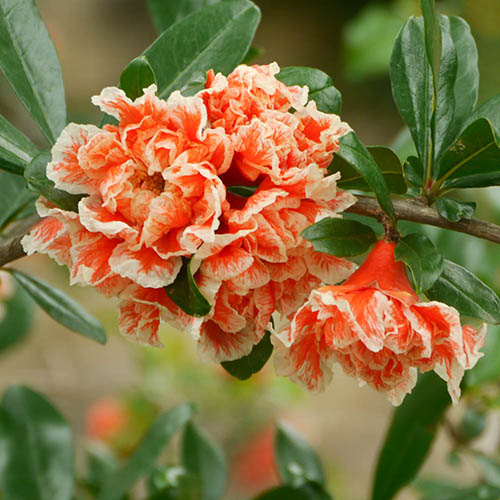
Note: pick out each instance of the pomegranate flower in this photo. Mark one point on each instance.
(374, 326)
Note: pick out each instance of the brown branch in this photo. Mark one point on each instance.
(10, 241)
(417, 211)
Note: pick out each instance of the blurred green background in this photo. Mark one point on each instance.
(112, 393)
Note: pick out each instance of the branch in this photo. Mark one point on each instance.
(415, 210)
(10, 241)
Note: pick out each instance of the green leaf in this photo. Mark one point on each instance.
(14, 197)
(37, 449)
(474, 160)
(16, 150)
(36, 177)
(411, 80)
(472, 424)
(217, 36)
(414, 172)
(164, 13)
(204, 460)
(28, 59)
(462, 85)
(137, 76)
(410, 436)
(185, 292)
(321, 89)
(433, 41)
(101, 463)
(309, 491)
(460, 289)
(297, 462)
(454, 210)
(61, 307)
(388, 163)
(142, 462)
(424, 260)
(487, 369)
(252, 363)
(490, 109)
(243, 191)
(340, 237)
(252, 54)
(17, 319)
(353, 152)
(403, 144)
(490, 469)
(438, 490)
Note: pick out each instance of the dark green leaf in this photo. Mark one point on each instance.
(164, 13)
(14, 197)
(310, 491)
(462, 89)
(185, 292)
(410, 436)
(217, 36)
(142, 462)
(490, 109)
(433, 41)
(205, 461)
(137, 76)
(411, 80)
(487, 369)
(388, 163)
(423, 259)
(460, 289)
(340, 237)
(474, 160)
(16, 150)
(253, 53)
(353, 152)
(297, 462)
(454, 210)
(252, 363)
(61, 307)
(17, 317)
(321, 89)
(36, 177)
(244, 191)
(414, 172)
(101, 463)
(29, 61)
(437, 490)
(403, 144)
(37, 449)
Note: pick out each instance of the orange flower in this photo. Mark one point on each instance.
(376, 329)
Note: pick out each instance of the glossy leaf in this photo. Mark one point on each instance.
(28, 59)
(353, 152)
(340, 237)
(37, 448)
(309, 491)
(243, 191)
(462, 85)
(410, 436)
(204, 460)
(36, 177)
(164, 13)
(454, 210)
(142, 462)
(185, 292)
(16, 150)
(217, 36)
(414, 172)
(388, 163)
(61, 307)
(433, 39)
(411, 80)
(252, 363)
(321, 89)
(14, 197)
(487, 369)
(17, 318)
(460, 289)
(424, 260)
(137, 76)
(403, 144)
(490, 109)
(474, 160)
(296, 460)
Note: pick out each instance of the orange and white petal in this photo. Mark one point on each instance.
(64, 169)
(255, 276)
(256, 204)
(473, 341)
(139, 322)
(188, 114)
(114, 102)
(328, 268)
(145, 267)
(230, 262)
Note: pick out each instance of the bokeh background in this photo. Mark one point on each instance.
(112, 393)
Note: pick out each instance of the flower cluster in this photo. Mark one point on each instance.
(165, 184)
(374, 326)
